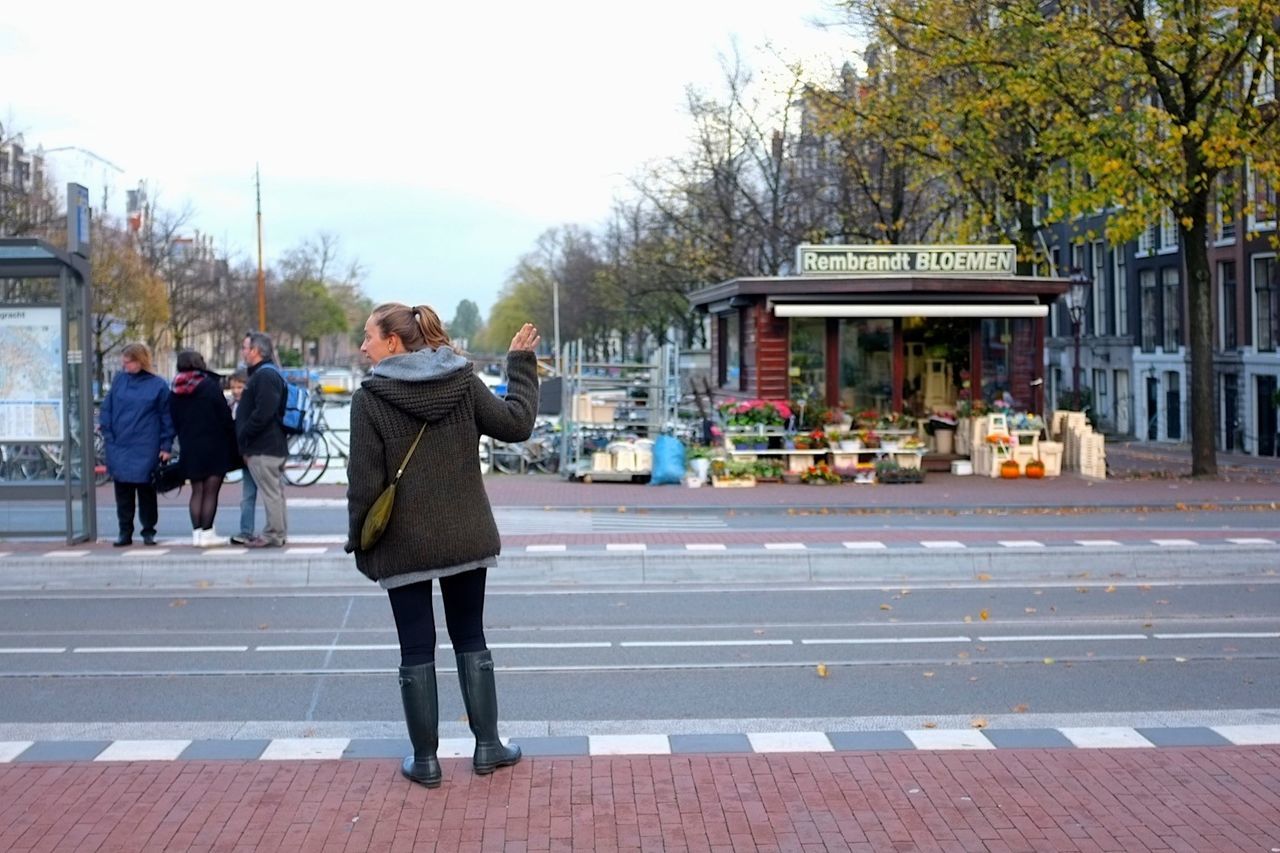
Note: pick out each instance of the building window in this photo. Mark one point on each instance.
(1168, 232)
(1172, 310)
(1227, 305)
(807, 361)
(1262, 201)
(730, 340)
(1267, 302)
(1101, 320)
(1120, 286)
(1263, 64)
(1148, 240)
(1149, 309)
(1224, 214)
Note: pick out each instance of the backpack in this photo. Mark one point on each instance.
(295, 415)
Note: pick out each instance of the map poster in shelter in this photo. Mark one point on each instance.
(30, 374)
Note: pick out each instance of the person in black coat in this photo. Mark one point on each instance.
(206, 440)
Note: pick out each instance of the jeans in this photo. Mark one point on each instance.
(248, 503)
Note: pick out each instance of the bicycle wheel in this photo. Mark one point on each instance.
(308, 459)
(546, 457)
(507, 458)
(486, 455)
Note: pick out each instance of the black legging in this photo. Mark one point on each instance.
(143, 495)
(204, 501)
(463, 596)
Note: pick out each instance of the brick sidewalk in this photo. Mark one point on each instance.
(1215, 799)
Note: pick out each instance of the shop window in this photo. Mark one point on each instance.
(866, 365)
(1008, 367)
(1120, 284)
(1101, 302)
(807, 360)
(729, 335)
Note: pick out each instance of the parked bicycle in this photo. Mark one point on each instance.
(311, 452)
(540, 452)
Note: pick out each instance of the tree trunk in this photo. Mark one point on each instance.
(1204, 460)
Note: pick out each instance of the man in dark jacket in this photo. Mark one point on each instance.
(261, 437)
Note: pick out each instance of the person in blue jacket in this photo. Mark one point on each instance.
(138, 431)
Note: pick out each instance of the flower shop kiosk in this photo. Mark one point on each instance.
(878, 334)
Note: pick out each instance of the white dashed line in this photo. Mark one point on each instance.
(66, 554)
(784, 546)
(864, 546)
(790, 742)
(1020, 543)
(305, 550)
(533, 549)
(305, 749)
(1057, 638)
(625, 546)
(705, 546)
(1257, 541)
(948, 739)
(671, 644)
(1098, 543)
(35, 650)
(150, 552)
(1174, 543)
(629, 745)
(106, 650)
(1221, 635)
(941, 543)
(871, 641)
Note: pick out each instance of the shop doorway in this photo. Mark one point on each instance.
(1267, 429)
(936, 354)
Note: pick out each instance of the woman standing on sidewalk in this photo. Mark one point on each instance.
(441, 525)
(139, 434)
(207, 439)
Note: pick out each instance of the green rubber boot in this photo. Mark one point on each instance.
(422, 717)
(480, 695)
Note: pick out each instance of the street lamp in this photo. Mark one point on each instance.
(1077, 299)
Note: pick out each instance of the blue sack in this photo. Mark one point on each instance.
(668, 461)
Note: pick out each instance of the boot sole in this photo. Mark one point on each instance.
(426, 781)
(489, 768)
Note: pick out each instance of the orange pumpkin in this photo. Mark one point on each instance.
(1009, 470)
(1035, 469)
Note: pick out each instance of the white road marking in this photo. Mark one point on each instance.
(63, 554)
(546, 548)
(11, 749)
(305, 550)
(672, 644)
(948, 739)
(1222, 635)
(1249, 735)
(629, 745)
(32, 650)
(1021, 543)
(101, 650)
(789, 742)
(704, 546)
(150, 552)
(784, 546)
(625, 546)
(871, 641)
(305, 749)
(371, 647)
(1258, 541)
(604, 645)
(1175, 543)
(864, 546)
(1105, 737)
(1098, 543)
(941, 543)
(143, 750)
(1054, 638)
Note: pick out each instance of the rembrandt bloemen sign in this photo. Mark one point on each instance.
(908, 260)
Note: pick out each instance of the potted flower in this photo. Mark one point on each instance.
(891, 471)
(699, 458)
(820, 474)
(870, 438)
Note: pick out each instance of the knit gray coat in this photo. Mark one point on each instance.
(441, 522)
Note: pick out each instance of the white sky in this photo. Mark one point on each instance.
(436, 141)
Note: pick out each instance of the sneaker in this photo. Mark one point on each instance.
(242, 539)
(209, 538)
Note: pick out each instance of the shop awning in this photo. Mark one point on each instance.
(918, 309)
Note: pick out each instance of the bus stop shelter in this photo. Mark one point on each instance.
(46, 402)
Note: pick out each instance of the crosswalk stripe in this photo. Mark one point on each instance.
(941, 543)
(305, 749)
(1098, 543)
(143, 750)
(1254, 541)
(1105, 737)
(705, 546)
(626, 546)
(1174, 543)
(790, 742)
(1020, 543)
(864, 546)
(948, 739)
(544, 548)
(784, 546)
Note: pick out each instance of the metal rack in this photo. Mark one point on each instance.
(607, 400)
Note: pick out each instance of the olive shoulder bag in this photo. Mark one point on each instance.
(379, 515)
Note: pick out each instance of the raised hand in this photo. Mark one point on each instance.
(526, 339)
